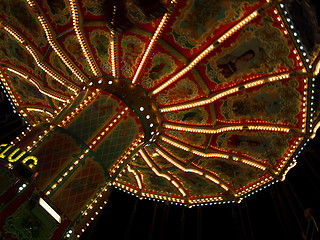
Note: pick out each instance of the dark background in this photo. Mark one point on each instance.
(274, 213)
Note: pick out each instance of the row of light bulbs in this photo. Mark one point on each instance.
(113, 47)
(41, 137)
(50, 72)
(211, 155)
(225, 129)
(301, 48)
(43, 90)
(136, 176)
(36, 109)
(126, 154)
(204, 53)
(94, 201)
(81, 107)
(76, 26)
(91, 146)
(57, 49)
(198, 103)
(163, 175)
(192, 170)
(124, 188)
(151, 44)
(300, 51)
(250, 188)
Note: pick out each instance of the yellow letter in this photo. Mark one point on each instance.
(17, 158)
(34, 160)
(2, 154)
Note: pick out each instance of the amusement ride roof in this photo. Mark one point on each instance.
(232, 82)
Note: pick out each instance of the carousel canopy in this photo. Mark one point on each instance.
(223, 90)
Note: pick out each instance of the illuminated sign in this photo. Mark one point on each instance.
(7, 152)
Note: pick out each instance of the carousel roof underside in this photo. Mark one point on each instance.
(232, 82)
